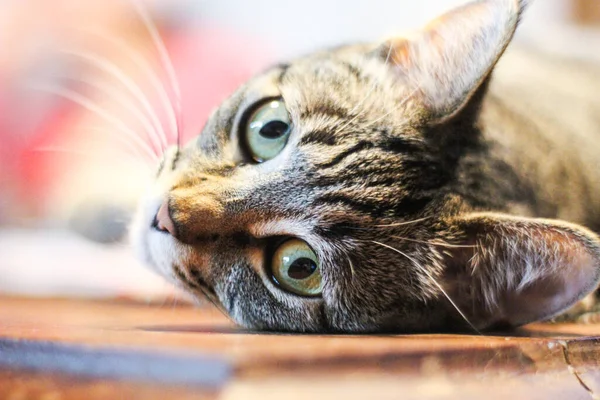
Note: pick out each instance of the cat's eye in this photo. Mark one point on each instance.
(295, 268)
(267, 130)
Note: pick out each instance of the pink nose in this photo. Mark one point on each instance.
(163, 219)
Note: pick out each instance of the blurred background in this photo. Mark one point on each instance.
(86, 96)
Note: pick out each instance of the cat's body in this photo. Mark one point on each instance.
(540, 122)
(389, 187)
(541, 118)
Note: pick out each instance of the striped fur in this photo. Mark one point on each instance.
(434, 194)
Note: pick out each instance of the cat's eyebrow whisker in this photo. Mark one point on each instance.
(394, 109)
(414, 221)
(432, 278)
(353, 119)
(434, 243)
(365, 98)
(133, 88)
(122, 100)
(147, 69)
(166, 62)
(352, 271)
(131, 136)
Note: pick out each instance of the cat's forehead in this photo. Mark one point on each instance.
(342, 85)
(333, 98)
(342, 75)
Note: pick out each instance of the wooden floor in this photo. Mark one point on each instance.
(68, 349)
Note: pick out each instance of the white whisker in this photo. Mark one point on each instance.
(147, 69)
(133, 88)
(362, 102)
(352, 271)
(91, 106)
(424, 270)
(122, 100)
(77, 152)
(58, 149)
(435, 243)
(414, 221)
(165, 60)
(131, 146)
(394, 109)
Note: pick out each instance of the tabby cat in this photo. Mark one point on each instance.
(391, 187)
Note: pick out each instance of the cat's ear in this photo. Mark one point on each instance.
(511, 271)
(449, 59)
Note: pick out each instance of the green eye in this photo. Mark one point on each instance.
(296, 269)
(267, 130)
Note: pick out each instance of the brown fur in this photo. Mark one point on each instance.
(416, 175)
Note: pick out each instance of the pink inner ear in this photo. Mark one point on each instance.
(449, 59)
(569, 271)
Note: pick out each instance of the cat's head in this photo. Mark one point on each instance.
(319, 197)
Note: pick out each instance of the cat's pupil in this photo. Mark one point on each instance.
(274, 129)
(302, 268)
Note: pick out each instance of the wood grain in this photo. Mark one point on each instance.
(137, 350)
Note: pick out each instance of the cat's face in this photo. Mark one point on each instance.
(344, 160)
(319, 197)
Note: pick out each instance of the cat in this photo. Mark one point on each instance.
(399, 186)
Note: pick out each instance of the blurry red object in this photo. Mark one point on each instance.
(209, 62)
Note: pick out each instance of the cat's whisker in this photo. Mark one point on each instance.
(394, 110)
(146, 69)
(59, 149)
(134, 150)
(103, 114)
(218, 306)
(352, 271)
(435, 243)
(432, 278)
(166, 63)
(194, 286)
(389, 53)
(362, 102)
(81, 153)
(133, 88)
(122, 100)
(414, 221)
(73, 151)
(351, 120)
(162, 300)
(367, 96)
(173, 302)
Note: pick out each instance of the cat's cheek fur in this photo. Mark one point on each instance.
(139, 230)
(156, 249)
(254, 303)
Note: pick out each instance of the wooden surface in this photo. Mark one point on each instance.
(67, 349)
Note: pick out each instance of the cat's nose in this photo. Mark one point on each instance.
(163, 221)
(191, 217)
